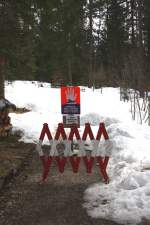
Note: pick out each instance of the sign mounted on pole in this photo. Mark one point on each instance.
(70, 100)
(68, 120)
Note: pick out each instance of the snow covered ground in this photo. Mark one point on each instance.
(126, 199)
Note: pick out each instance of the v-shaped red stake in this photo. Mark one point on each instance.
(61, 162)
(45, 131)
(87, 131)
(74, 132)
(60, 132)
(75, 162)
(103, 162)
(46, 166)
(102, 130)
(88, 161)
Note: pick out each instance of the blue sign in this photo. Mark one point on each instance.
(70, 109)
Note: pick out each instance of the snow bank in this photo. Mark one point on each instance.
(126, 198)
(44, 102)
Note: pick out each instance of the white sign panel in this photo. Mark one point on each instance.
(68, 120)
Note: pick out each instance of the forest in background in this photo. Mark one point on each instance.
(80, 42)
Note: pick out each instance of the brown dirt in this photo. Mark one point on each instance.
(58, 202)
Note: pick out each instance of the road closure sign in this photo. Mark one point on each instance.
(70, 100)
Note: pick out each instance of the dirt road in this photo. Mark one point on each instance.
(25, 201)
(58, 202)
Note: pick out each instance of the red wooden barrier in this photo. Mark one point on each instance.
(74, 161)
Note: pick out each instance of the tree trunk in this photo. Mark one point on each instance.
(132, 22)
(91, 43)
(2, 77)
(69, 60)
(140, 38)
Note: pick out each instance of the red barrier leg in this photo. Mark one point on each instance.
(46, 166)
(61, 162)
(75, 162)
(45, 130)
(103, 162)
(88, 161)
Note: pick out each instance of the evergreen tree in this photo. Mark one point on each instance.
(61, 40)
(115, 38)
(80, 42)
(17, 23)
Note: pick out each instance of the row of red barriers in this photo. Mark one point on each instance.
(60, 132)
(102, 162)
